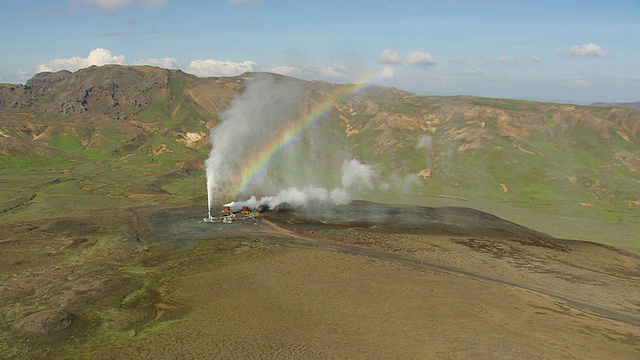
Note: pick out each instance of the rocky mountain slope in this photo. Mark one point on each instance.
(110, 111)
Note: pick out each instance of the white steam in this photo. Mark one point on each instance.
(424, 141)
(267, 107)
(302, 171)
(356, 176)
(251, 120)
(301, 197)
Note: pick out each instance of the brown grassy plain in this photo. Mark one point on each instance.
(396, 283)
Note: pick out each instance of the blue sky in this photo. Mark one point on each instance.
(574, 51)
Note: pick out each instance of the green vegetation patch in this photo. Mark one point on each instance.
(155, 112)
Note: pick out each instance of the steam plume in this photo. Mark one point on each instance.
(298, 167)
(268, 106)
(361, 177)
(248, 123)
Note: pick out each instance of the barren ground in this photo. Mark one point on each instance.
(365, 281)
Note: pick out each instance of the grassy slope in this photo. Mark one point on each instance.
(91, 161)
(552, 161)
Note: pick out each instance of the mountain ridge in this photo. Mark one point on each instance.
(630, 105)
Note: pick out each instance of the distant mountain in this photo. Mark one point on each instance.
(630, 105)
(542, 154)
(48, 77)
(111, 111)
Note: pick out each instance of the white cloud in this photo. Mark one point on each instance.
(386, 72)
(583, 83)
(586, 50)
(97, 56)
(213, 67)
(471, 70)
(536, 58)
(504, 60)
(457, 60)
(420, 58)
(287, 70)
(329, 71)
(21, 74)
(18, 76)
(389, 57)
(316, 72)
(110, 6)
(167, 63)
(244, 2)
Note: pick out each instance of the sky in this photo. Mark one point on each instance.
(550, 50)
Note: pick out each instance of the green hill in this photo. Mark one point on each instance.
(116, 136)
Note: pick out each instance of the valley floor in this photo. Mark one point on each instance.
(158, 283)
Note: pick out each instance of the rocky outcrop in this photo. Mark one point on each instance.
(46, 325)
(48, 77)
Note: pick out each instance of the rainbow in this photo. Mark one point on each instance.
(257, 163)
